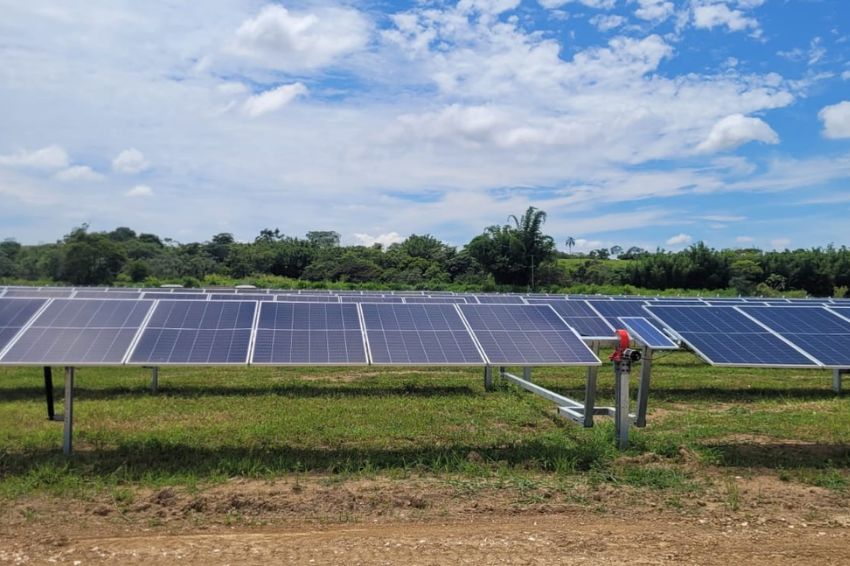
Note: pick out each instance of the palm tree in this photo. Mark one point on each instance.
(534, 243)
(570, 243)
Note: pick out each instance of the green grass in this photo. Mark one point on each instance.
(209, 424)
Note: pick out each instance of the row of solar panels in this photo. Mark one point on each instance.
(318, 295)
(76, 332)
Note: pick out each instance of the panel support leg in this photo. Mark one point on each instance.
(590, 389)
(488, 378)
(154, 379)
(836, 380)
(643, 387)
(48, 392)
(526, 373)
(621, 403)
(67, 447)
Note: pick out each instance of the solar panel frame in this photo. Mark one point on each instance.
(9, 332)
(168, 363)
(500, 300)
(579, 321)
(306, 299)
(123, 332)
(441, 299)
(180, 296)
(543, 310)
(38, 293)
(684, 336)
(361, 337)
(642, 335)
(447, 309)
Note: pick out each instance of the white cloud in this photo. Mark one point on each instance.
(140, 191)
(836, 120)
(273, 99)
(735, 130)
(723, 218)
(583, 245)
(679, 240)
(846, 75)
(597, 4)
(607, 22)
(50, 157)
(780, 243)
(383, 239)
(130, 161)
(288, 40)
(654, 10)
(744, 240)
(709, 16)
(78, 173)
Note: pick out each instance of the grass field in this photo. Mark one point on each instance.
(209, 424)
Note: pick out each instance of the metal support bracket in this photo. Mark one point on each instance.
(622, 418)
(154, 379)
(67, 446)
(48, 392)
(643, 387)
(837, 375)
(488, 378)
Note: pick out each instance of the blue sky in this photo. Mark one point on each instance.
(655, 123)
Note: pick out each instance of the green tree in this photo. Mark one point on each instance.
(324, 238)
(90, 259)
(570, 243)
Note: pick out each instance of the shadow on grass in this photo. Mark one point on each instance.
(719, 394)
(780, 455)
(157, 461)
(304, 390)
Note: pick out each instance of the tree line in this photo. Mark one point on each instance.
(515, 256)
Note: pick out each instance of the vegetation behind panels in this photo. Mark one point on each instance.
(516, 256)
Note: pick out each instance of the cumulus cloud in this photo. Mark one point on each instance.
(607, 22)
(139, 191)
(273, 99)
(735, 130)
(597, 4)
(679, 240)
(50, 157)
(383, 239)
(723, 218)
(130, 162)
(78, 173)
(709, 16)
(289, 40)
(836, 120)
(846, 75)
(654, 10)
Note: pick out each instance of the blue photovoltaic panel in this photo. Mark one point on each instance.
(37, 293)
(251, 291)
(613, 310)
(441, 299)
(14, 315)
(308, 333)
(176, 296)
(723, 335)
(307, 298)
(80, 332)
(646, 333)
(580, 316)
(432, 334)
(196, 332)
(104, 295)
(370, 299)
(500, 299)
(526, 335)
(244, 297)
(819, 332)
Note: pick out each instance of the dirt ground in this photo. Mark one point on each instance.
(757, 519)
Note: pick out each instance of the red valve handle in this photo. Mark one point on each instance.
(623, 342)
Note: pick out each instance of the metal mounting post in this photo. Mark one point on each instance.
(836, 380)
(622, 419)
(526, 373)
(67, 447)
(48, 392)
(643, 387)
(488, 378)
(154, 379)
(590, 389)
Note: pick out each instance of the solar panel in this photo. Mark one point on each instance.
(104, 295)
(251, 291)
(722, 335)
(821, 333)
(197, 333)
(370, 299)
(529, 335)
(176, 296)
(500, 299)
(14, 315)
(433, 334)
(580, 316)
(644, 332)
(79, 332)
(307, 298)
(308, 333)
(441, 299)
(37, 293)
(613, 310)
(243, 297)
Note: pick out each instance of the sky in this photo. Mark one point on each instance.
(651, 123)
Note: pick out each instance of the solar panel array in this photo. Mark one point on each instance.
(14, 314)
(644, 332)
(580, 316)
